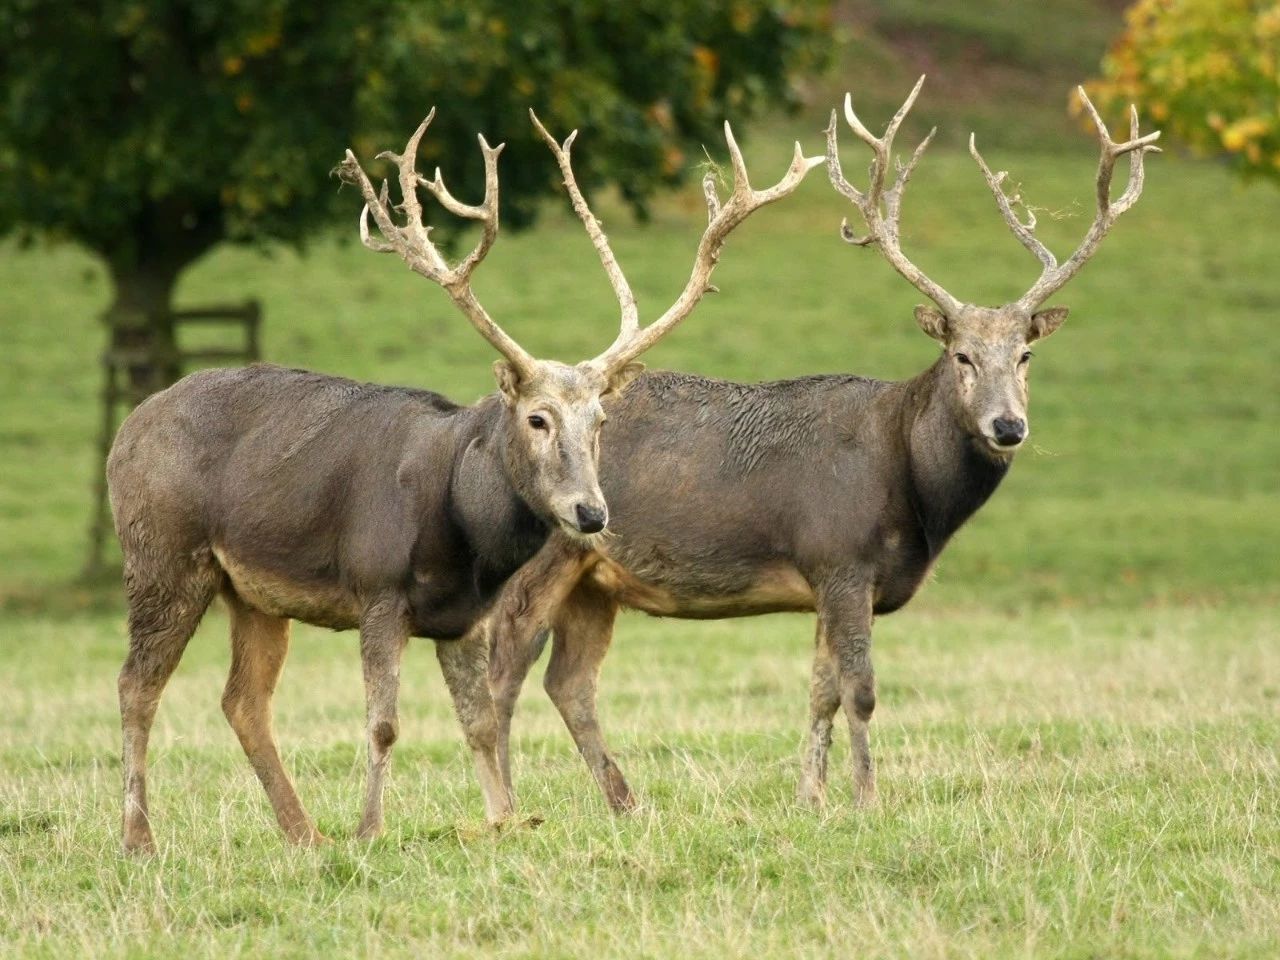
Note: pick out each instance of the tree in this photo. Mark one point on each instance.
(1207, 71)
(152, 130)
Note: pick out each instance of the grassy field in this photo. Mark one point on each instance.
(1079, 715)
(1076, 784)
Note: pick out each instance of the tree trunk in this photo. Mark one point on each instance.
(142, 359)
(141, 325)
(145, 262)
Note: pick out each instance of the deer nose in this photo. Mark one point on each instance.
(1009, 431)
(591, 519)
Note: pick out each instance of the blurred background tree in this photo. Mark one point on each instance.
(152, 130)
(1207, 71)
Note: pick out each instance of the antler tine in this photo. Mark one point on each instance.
(413, 243)
(881, 208)
(486, 212)
(408, 177)
(893, 198)
(741, 182)
(1052, 278)
(373, 243)
(709, 194)
(630, 321)
(834, 172)
(722, 219)
(1025, 232)
(1136, 146)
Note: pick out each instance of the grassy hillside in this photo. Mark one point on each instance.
(1151, 474)
(1078, 715)
(1004, 69)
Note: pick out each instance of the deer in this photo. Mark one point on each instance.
(388, 510)
(832, 493)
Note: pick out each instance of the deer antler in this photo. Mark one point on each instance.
(882, 209)
(1053, 276)
(622, 290)
(413, 243)
(632, 340)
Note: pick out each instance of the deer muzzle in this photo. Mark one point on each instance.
(1008, 432)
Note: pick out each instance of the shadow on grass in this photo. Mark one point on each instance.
(101, 593)
(18, 823)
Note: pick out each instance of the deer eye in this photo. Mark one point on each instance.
(537, 422)
(963, 358)
(1026, 357)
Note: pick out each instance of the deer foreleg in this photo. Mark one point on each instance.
(519, 627)
(506, 691)
(465, 665)
(384, 631)
(583, 629)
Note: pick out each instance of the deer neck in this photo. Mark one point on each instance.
(500, 528)
(950, 476)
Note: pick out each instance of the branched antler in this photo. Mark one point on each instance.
(1025, 232)
(626, 299)
(722, 218)
(412, 241)
(881, 209)
(1053, 277)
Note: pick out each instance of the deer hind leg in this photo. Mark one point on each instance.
(465, 665)
(824, 701)
(167, 597)
(845, 609)
(259, 645)
(583, 628)
(384, 631)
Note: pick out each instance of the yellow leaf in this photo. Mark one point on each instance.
(672, 160)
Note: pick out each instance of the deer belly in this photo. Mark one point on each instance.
(277, 594)
(770, 590)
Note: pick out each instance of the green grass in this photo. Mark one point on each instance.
(1079, 714)
(1062, 784)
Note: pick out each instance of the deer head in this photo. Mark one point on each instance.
(552, 409)
(987, 348)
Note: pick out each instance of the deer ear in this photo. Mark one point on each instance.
(621, 378)
(1045, 322)
(508, 381)
(933, 322)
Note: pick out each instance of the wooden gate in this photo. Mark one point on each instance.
(119, 395)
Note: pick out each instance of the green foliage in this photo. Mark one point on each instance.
(154, 128)
(1207, 71)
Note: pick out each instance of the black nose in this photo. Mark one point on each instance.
(1009, 431)
(590, 519)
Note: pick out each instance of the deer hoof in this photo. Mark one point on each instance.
(811, 794)
(142, 845)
